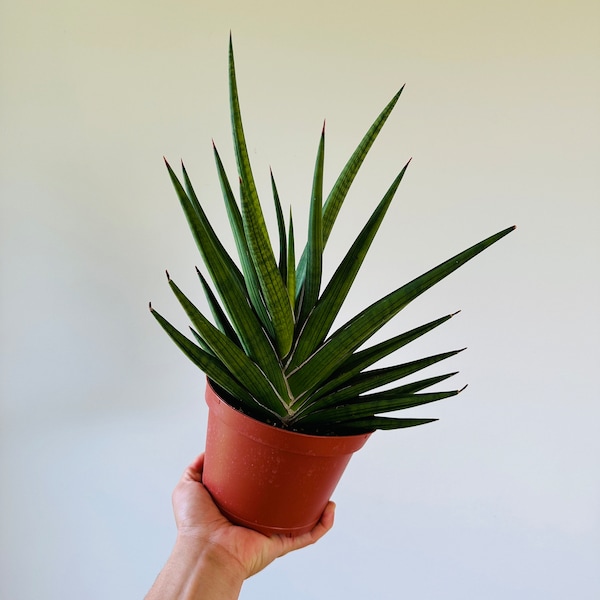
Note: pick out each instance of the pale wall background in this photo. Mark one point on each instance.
(100, 413)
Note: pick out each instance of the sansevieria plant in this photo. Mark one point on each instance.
(269, 350)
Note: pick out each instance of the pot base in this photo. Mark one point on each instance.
(269, 530)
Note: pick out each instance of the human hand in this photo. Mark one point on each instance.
(212, 556)
(199, 521)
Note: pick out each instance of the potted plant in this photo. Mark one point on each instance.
(290, 400)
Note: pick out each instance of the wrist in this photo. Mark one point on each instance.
(207, 554)
(198, 568)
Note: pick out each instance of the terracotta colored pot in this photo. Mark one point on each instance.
(270, 479)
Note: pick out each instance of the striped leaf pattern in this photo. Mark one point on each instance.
(269, 346)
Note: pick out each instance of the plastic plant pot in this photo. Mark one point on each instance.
(267, 478)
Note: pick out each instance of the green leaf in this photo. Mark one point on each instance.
(237, 227)
(370, 380)
(416, 386)
(344, 181)
(291, 262)
(409, 389)
(328, 307)
(211, 365)
(371, 424)
(204, 234)
(369, 356)
(229, 283)
(283, 265)
(359, 361)
(201, 342)
(357, 331)
(273, 289)
(217, 312)
(348, 396)
(239, 139)
(232, 357)
(370, 405)
(314, 248)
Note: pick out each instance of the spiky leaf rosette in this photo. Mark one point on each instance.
(269, 348)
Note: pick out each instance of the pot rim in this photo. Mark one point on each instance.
(284, 439)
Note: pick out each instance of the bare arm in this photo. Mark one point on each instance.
(212, 557)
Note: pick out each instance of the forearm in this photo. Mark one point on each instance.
(197, 571)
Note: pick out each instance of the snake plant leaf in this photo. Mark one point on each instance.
(363, 359)
(237, 227)
(273, 289)
(370, 380)
(211, 365)
(270, 348)
(416, 386)
(201, 229)
(291, 262)
(351, 396)
(283, 247)
(371, 424)
(232, 357)
(314, 247)
(328, 306)
(201, 342)
(230, 286)
(239, 139)
(340, 188)
(357, 331)
(217, 312)
(410, 389)
(373, 404)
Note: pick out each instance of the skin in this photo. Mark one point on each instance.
(212, 557)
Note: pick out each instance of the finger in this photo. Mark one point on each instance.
(194, 471)
(325, 523)
(321, 528)
(328, 516)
